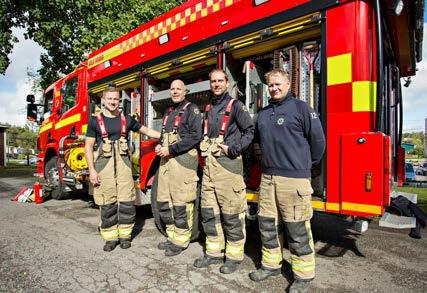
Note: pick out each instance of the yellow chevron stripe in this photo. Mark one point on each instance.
(67, 121)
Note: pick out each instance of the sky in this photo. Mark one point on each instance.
(14, 85)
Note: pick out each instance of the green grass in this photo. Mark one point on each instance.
(17, 171)
(422, 195)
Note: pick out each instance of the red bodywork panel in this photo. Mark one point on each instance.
(204, 27)
(363, 155)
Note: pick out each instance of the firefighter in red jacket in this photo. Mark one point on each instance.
(110, 172)
(177, 181)
(228, 131)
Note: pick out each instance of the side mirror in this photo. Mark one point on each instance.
(31, 112)
(31, 99)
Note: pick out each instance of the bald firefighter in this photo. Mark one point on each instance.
(292, 141)
(110, 172)
(177, 181)
(228, 131)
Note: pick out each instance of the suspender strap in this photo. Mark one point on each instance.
(178, 117)
(122, 125)
(101, 124)
(205, 120)
(226, 117)
(165, 119)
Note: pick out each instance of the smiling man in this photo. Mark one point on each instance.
(292, 141)
(111, 173)
(177, 181)
(228, 131)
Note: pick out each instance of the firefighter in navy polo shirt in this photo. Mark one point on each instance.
(292, 141)
(177, 181)
(111, 171)
(228, 130)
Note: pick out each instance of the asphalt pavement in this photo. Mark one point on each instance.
(55, 247)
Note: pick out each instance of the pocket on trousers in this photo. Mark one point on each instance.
(189, 189)
(302, 212)
(238, 203)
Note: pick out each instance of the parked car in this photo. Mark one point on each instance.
(409, 172)
(422, 169)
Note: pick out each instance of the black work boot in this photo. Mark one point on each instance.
(110, 245)
(206, 261)
(263, 273)
(125, 243)
(300, 286)
(173, 250)
(230, 266)
(164, 245)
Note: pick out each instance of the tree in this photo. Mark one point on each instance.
(69, 30)
(22, 137)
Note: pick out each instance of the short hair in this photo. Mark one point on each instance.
(111, 88)
(218, 70)
(279, 72)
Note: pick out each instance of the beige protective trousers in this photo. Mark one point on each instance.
(223, 198)
(115, 195)
(177, 191)
(288, 200)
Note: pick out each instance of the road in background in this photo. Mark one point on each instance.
(55, 247)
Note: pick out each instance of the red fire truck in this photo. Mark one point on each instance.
(345, 58)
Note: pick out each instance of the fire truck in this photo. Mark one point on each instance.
(346, 59)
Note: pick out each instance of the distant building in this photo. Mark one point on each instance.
(3, 145)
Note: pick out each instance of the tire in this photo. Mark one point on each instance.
(197, 224)
(52, 179)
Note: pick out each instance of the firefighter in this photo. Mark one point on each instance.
(177, 181)
(228, 130)
(292, 141)
(110, 172)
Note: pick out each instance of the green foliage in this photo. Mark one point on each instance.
(416, 138)
(69, 30)
(22, 137)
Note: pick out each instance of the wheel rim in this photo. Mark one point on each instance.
(53, 177)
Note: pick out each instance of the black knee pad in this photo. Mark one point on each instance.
(298, 238)
(209, 221)
(126, 212)
(233, 227)
(109, 216)
(165, 212)
(269, 232)
(180, 217)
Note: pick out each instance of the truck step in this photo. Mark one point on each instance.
(410, 196)
(397, 222)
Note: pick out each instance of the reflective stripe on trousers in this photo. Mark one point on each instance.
(223, 193)
(177, 191)
(288, 201)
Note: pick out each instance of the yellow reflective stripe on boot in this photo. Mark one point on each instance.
(110, 234)
(181, 237)
(303, 266)
(234, 251)
(125, 231)
(271, 259)
(170, 231)
(214, 246)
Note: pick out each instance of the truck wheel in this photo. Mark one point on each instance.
(156, 215)
(52, 179)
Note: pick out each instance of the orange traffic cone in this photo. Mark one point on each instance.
(38, 193)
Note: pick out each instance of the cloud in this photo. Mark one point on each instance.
(14, 85)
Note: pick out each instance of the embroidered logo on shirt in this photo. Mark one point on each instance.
(280, 121)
